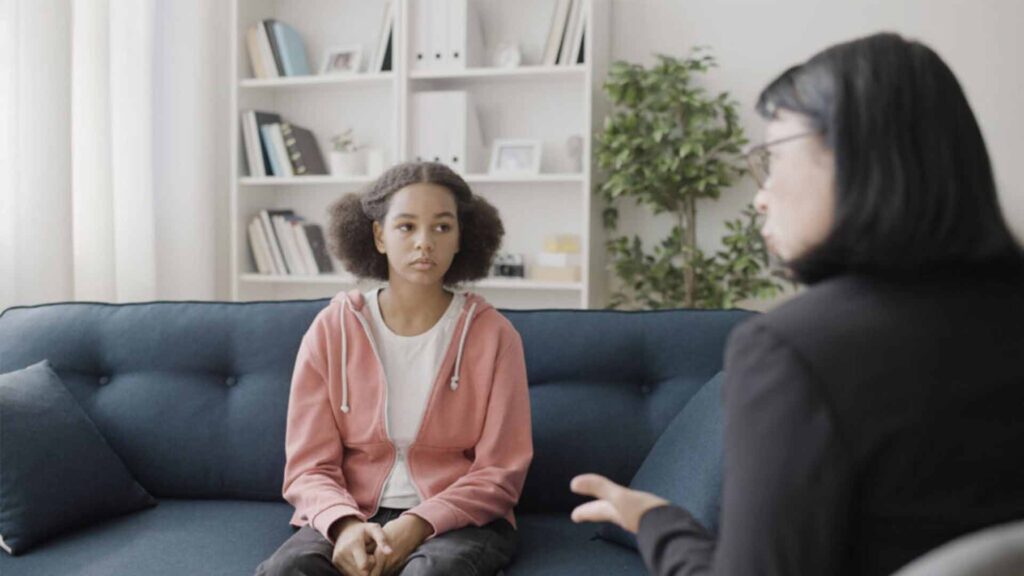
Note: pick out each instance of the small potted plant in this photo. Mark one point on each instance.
(346, 155)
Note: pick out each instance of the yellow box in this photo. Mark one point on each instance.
(563, 243)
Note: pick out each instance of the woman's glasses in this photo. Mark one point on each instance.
(759, 157)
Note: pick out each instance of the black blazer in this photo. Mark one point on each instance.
(866, 422)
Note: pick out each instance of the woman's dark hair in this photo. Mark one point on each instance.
(914, 188)
(350, 233)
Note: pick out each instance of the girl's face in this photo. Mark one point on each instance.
(798, 198)
(420, 234)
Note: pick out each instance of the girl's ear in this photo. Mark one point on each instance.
(378, 236)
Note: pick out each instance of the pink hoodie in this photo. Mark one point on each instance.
(474, 445)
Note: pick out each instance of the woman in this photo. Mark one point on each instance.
(408, 436)
(878, 414)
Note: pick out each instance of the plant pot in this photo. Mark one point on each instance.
(347, 163)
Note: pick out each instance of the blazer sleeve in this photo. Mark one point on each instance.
(787, 477)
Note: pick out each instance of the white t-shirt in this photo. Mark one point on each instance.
(411, 364)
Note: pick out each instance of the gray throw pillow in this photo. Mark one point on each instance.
(57, 472)
(685, 464)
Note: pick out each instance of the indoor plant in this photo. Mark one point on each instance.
(346, 155)
(666, 145)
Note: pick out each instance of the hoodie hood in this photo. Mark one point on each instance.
(355, 303)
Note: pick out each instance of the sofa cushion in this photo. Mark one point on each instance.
(56, 470)
(208, 537)
(685, 464)
(232, 537)
(551, 544)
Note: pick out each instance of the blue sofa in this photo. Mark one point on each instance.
(192, 396)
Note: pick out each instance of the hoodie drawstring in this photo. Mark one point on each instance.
(462, 343)
(344, 362)
(454, 383)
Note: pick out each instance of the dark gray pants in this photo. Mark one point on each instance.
(470, 551)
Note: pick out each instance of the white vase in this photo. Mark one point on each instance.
(347, 163)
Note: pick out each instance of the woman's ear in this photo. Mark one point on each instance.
(378, 236)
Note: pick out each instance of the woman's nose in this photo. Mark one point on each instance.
(761, 202)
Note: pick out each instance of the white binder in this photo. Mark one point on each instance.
(446, 129)
(420, 20)
(464, 149)
(438, 34)
(465, 44)
(429, 127)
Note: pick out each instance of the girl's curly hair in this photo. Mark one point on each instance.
(350, 231)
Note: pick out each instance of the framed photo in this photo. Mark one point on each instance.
(342, 60)
(515, 157)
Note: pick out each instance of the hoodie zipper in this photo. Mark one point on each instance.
(384, 380)
(438, 378)
(387, 430)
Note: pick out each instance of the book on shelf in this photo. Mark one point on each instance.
(303, 150)
(317, 242)
(260, 249)
(283, 243)
(277, 148)
(274, 244)
(383, 57)
(556, 33)
(575, 28)
(291, 49)
(256, 148)
(576, 56)
(289, 247)
(275, 50)
(280, 164)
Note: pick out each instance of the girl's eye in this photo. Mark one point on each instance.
(444, 227)
(405, 227)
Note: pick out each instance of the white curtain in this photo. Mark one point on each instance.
(113, 122)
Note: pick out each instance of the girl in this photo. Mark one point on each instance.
(408, 437)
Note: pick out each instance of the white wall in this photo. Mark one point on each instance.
(755, 40)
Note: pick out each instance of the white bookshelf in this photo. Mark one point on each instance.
(549, 103)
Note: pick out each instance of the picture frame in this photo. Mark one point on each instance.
(515, 157)
(342, 60)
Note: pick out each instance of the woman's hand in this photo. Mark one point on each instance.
(404, 534)
(616, 504)
(359, 548)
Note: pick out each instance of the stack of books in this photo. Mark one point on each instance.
(567, 35)
(276, 50)
(277, 148)
(284, 244)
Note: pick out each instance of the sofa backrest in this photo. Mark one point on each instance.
(605, 384)
(193, 395)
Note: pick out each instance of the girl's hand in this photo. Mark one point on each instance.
(616, 504)
(359, 547)
(405, 534)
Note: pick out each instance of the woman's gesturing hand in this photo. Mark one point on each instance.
(614, 503)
